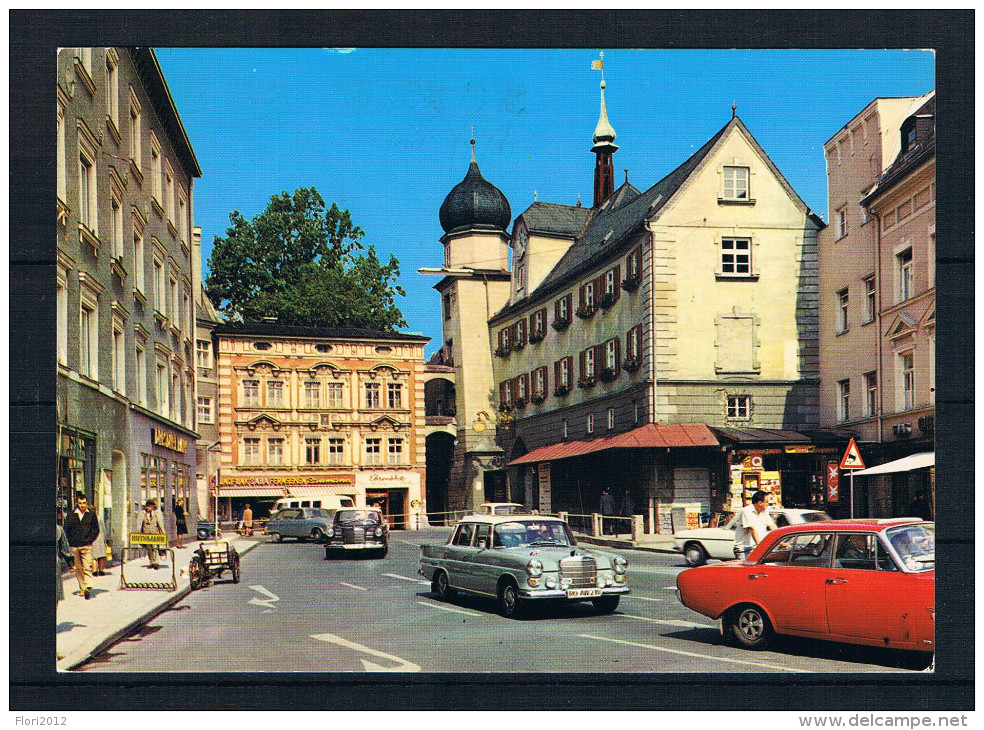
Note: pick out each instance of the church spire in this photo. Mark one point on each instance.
(604, 147)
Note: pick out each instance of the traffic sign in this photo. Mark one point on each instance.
(852, 457)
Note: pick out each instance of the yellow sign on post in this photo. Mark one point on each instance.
(148, 538)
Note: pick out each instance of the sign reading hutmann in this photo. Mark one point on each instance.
(170, 441)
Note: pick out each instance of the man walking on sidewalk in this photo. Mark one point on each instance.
(81, 529)
(151, 522)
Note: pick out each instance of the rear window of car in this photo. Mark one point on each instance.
(320, 513)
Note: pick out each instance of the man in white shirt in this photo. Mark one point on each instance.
(753, 522)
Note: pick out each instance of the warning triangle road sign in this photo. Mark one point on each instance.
(852, 457)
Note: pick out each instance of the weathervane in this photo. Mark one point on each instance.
(599, 64)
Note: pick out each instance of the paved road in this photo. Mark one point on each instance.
(295, 611)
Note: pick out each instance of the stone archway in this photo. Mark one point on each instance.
(440, 456)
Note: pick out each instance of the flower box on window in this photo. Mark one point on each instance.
(536, 337)
(607, 300)
(538, 397)
(607, 375)
(631, 283)
(631, 364)
(561, 324)
(518, 345)
(519, 403)
(561, 390)
(587, 381)
(585, 311)
(505, 407)
(502, 351)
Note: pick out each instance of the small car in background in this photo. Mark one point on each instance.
(701, 543)
(862, 581)
(518, 559)
(359, 529)
(501, 508)
(205, 530)
(301, 523)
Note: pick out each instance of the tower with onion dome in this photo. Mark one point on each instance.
(474, 285)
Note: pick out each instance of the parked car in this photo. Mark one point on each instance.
(301, 523)
(699, 544)
(519, 558)
(205, 530)
(856, 581)
(501, 508)
(359, 529)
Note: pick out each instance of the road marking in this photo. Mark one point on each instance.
(402, 577)
(693, 654)
(265, 602)
(669, 588)
(643, 598)
(402, 664)
(358, 588)
(448, 608)
(672, 622)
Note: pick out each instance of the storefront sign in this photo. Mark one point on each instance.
(543, 477)
(323, 480)
(148, 538)
(170, 441)
(752, 462)
(801, 449)
(832, 482)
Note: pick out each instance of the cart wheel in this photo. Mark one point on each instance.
(234, 564)
(196, 573)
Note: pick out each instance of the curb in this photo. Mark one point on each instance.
(82, 656)
(624, 544)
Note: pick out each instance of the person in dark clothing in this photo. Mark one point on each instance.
(607, 507)
(180, 522)
(920, 507)
(82, 529)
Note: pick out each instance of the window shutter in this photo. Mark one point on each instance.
(580, 297)
(638, 255)
(618, 282)
(557, 372)
(546, 382)
(618, 355)
(599, 358)
(526, 383)
(583, 363)
(533, 323)
(502, 392)
(599, 288)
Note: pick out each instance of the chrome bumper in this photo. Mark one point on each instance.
(533, 594)
(355, 546)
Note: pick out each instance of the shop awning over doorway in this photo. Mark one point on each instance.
(650, 436)
(908, 463)
(251, 492)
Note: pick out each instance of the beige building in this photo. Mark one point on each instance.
(312, 412)
(877, 297)
(659, 335)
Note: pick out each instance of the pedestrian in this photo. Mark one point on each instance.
(920, 507)
(753, 522)
(99, 544)
(63, 553)
(247, 521)
(81, 530)
(628, 504)
(180, 521)
(151, 523)
(607, 506)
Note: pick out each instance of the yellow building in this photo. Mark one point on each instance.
(313, 413)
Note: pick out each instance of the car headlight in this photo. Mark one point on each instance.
(330, 532)
(379, 532)
(534, 568)
(620, 564)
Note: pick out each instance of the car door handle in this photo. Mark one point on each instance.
(756, 576)
(836, 581)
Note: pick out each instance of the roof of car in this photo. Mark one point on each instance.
(867, 524)
(496, 519)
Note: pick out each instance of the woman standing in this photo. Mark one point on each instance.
(99, 545)
(180, 525)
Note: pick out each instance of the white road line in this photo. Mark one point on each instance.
(358, 588)
(402, 664)
(644, 598)
(448, 608)
(672, 622)
(669, 588)
(693, 654)
(403, 577)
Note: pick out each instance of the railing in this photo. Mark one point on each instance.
(600, 525)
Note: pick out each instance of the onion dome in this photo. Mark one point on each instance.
(475, 203)
(604, 134)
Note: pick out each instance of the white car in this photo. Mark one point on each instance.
(501, 508)
(719, 542)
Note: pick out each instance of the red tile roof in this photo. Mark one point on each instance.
(649, 436)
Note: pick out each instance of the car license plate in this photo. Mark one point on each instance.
(584, 592)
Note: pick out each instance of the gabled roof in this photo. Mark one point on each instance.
(562, 220)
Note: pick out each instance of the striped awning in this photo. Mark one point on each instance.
(649, 436)
(251, 491)
(922, 460)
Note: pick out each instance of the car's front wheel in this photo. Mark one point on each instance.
(750, 627)
(277, 537)
(605, 604)
(695, 554)
(317, 535)
(441, 588)
(510, 604)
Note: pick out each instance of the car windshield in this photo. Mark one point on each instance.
(354, 515)
(319, 513)
(531, 532)
(915, 544)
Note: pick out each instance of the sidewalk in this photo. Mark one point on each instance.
(86, 628)
(650, 543)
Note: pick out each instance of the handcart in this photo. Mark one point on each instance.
(211, 560)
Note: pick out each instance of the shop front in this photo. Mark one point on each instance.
(263, 492)
(398, 493)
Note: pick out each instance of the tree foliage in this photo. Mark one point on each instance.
(304, 264)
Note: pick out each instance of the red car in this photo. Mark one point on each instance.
(858, 581)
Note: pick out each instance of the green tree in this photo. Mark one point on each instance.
(304, 264)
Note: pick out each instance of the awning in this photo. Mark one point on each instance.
(251, 492)
(650, 436)
(908, 463)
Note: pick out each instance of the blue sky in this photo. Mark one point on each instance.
(384, 132)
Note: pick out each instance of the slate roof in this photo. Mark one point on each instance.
(272, 329)
(563, 220)
(923, 150)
